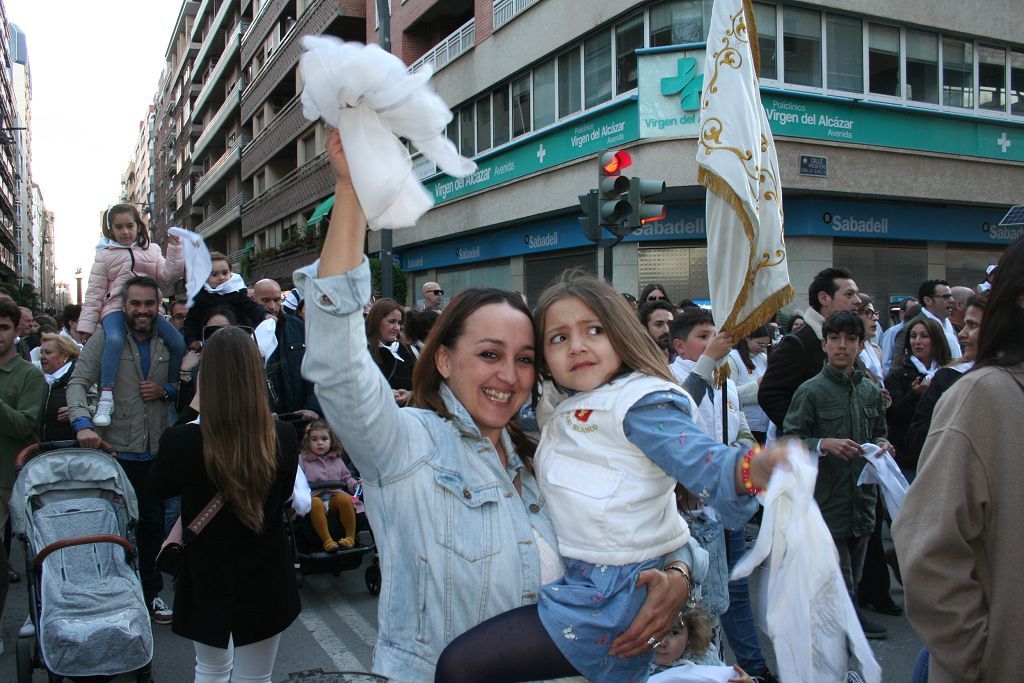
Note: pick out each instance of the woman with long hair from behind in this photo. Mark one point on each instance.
(234, 592)
(958, 531)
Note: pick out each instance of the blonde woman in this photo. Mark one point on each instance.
(57, 356)
(234, 593)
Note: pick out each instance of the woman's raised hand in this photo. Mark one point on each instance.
(336, 153)
(343, 247)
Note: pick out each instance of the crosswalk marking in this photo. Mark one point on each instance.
(329, 641)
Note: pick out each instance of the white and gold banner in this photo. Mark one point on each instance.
(747, 267)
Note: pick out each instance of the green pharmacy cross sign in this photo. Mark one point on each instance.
(687, 83)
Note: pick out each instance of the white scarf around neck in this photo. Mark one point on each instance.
(927, 372)
(393, 348)
(51, 379)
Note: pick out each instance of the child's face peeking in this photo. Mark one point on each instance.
(695, 343)
(577, 349)
(123, 228)
(672, 646)
(319, 442)
(219, 274)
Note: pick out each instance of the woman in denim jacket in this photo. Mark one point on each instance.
(461, 526)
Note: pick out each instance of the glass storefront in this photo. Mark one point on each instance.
(966, 264)
(883, 269)
(541, 271)
(683, 271)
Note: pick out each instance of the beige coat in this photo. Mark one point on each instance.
(958, 534)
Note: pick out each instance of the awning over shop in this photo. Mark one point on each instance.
(321, 211)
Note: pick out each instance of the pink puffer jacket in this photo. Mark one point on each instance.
(115, 265)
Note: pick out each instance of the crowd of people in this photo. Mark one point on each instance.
(556, 490)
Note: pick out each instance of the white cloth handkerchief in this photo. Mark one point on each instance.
(882, 469)
(196, 256)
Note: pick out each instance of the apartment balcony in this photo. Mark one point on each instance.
(224, 216)
(282, 265)
(283, 129)
(231, 156)
(260, 27)
(229, 106)
(444, 53)
(235, 259)
(226, 7)
(507, 10)
(197, 20)
(317, 17)
(305, 185)
(225, 60)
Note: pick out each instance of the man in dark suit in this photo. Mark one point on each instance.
(799, 356)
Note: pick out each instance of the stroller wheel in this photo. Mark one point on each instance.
(24, 654)
(372, 576)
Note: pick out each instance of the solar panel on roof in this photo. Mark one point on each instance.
(1015, 216)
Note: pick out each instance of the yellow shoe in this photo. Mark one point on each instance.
(330, 546)
(346, 543)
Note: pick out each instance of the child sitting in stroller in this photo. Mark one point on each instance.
(321, 461)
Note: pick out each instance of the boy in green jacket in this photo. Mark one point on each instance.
(834, 413)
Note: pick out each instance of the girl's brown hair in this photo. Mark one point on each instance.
(142, 240)
(381, 309)
(634, 347)
(698, 631)
(239, 439)
(426, 379)
(318, 426)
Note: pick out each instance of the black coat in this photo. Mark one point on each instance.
(290, 392)
(247, 311)
(796, 359)
(899, 382)
(921, 422)
(50, 428)
(398, 374)
(233, 581)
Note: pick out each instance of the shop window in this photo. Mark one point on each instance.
(801, 40)
(1017, 82)
(957, 73)
(922, 66)
(570, 83)
(680, 21)
(767, 38)
(483, 124)
(597, 69)
(467, 132)
(883, 269)
(845, 53)
(629, 37)
(966, 266)
(541, 271)
(682, 270)
(544, 95)
(991, 78)
(884, 60)
(502, 112)
(521, 106)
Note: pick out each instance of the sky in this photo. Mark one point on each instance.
(95, 68)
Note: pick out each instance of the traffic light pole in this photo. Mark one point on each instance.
(387, 268)
(608, 246)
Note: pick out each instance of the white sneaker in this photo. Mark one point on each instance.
(103, 410)
(160, 612)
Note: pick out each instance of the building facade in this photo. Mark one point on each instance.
(901, 145)
(10, 219)
(135, 181)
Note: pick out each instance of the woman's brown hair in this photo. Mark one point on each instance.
(1001, 337)
(628, 338)
(239, 439)
(426, 379)
(381, 309)
(940, 347)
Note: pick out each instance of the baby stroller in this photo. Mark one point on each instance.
(76, 513)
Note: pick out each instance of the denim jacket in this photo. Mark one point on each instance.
(456, 539)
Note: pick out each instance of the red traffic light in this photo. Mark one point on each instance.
(614, 162)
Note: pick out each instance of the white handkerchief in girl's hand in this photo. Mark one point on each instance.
(882, 469)
(372, 99)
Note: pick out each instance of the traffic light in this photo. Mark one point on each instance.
(590, 224)
(613, 206)
(639, 190)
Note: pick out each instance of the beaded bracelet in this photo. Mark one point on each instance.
(745, 467)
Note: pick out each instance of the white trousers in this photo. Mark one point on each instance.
(252, 663)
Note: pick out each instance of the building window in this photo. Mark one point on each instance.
(629, 37)
(308, 147)
(679, 22)
(991, 78)
(544, 95)
(884, 60)
(452, 131)
(597, 70)
(1017, 82)
(845, 39)
(801, 40)
(467, 142)
(502, 112)
(767, 38)
(521, 106)
(957, 73)
(922, 66)
(570, 83)
(483, 124)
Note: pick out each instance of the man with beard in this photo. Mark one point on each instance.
(656, 317)
(140, 415)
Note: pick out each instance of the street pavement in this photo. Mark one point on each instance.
(338, 626)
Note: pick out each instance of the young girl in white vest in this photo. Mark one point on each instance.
(123, 252)
(617, 432)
